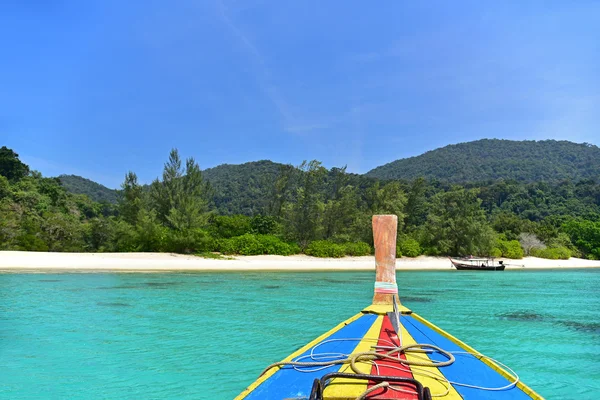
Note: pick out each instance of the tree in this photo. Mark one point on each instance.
(130, 201)
(150, 234)
(10, 215)
(61, 231)
(98, 234)
(180, 199)
(457, 224)
(387, 199)
(265, 225)
(280, 190)
(585, 235)
(530, 242)
(510, 224)
(341, 205)
(416, 203)
(303, 218)
(340, 213)
(4, 187)
(227, 226)
(10, 165)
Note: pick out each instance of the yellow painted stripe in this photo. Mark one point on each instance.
(530, 392)
(382, 309)
(272, 371)
(423, 374)
(344, 388)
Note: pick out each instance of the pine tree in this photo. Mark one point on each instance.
(180, 199)
(130, 203)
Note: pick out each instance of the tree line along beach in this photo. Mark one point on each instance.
(546, 205)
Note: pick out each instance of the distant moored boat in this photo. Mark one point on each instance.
(477, 264)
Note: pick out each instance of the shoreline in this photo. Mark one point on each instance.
(23, 261)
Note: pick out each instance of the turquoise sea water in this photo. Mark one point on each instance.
(208, 335)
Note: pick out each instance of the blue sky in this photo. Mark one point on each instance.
(97, 88)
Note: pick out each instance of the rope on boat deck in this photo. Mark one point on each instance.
(367, 392)
(394, 353)
(372, 356)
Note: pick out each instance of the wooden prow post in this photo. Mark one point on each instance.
(384, 239)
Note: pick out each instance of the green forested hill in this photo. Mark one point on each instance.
(95, 191)
(492, 159)
(252, 188)
(249, 188)
(244, 188)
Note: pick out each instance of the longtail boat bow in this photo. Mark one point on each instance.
(387, 352)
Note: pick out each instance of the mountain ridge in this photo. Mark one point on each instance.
(79, 185)
(476, 161)
(492, 159)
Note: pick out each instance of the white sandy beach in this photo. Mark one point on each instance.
(38, 261)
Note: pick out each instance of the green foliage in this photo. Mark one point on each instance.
(408, 247)
(85, 206)
(492, 159)
(188, 241)
(29, 235)
(496, 252)
(10, 215)
(387, 199)
(509, 224)
(98, 235)
(308, 204)
(562, 240)
(509, 249)
(4, 187)
(247, 189)
(585, 235)
(303, 218)
(130, 200)
(457, 225)
(254, 188)
(416, 203)
(249, 244)
(227, 226)
(30, 242)
(180, 199)
(357, 249)
(95, 191)
(265, 225)
(152, 236)
(123, 237)
(325, 248)
(61, 232)
(340, 210)
(552, 253)
(10, 166)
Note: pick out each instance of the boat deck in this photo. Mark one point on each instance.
(469, 377)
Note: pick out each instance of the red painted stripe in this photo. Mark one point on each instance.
(386, 335)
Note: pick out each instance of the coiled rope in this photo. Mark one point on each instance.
(366, 356)
(325, 360)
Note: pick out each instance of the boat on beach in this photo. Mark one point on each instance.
(387, 351)
(477, 264)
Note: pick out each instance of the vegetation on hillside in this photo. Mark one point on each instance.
(95, 191)
(492, 159)
(288, 209)
(242, 189)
